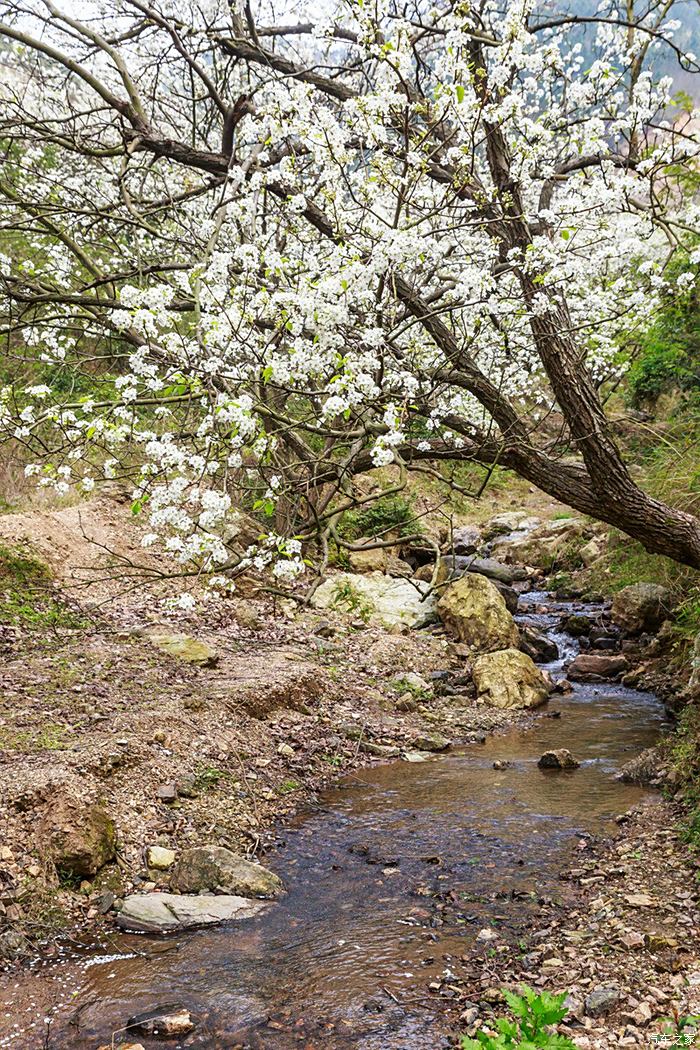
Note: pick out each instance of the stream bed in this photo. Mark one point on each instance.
(345, 958)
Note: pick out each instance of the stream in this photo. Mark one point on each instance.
(344, 959)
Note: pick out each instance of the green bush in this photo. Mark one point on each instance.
(534, 1013)
(387, 514)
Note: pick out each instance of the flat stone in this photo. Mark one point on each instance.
(415, 756)
(183, 647)
(171, 912)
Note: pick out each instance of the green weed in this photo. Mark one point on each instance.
(535, 1013)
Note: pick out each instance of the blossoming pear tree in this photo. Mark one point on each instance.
(247, 259)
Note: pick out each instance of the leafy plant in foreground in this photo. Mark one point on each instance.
(534, 1013)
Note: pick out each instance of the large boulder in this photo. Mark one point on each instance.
(380, 600)
(215, 869)
(509, 679)
(641, 607)
(472, 609)
(79, 838)
(173, 912)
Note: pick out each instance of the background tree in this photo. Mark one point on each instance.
(255, 260)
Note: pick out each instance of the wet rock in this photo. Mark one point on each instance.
(502, 764)
(563, 686)
(641, 607)
(183, 647)
(160, 858)
(171, 912)
(597, 666)
(415, 756)
(381, 600)
(431, 742)
(601, 1001)
(537, 645)
(509, 679)
(560, 758)
(509, 595)
(218, 870)
(497, 570)
(80, 839)
(474, 611)
(163, 1022)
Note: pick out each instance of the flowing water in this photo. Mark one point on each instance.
(344, 959)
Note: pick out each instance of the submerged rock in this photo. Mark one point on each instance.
(474, 611)
(509, 679)
(163, 1022)
(172, 912)
(216, 869)
(641, 607)
(561, 758)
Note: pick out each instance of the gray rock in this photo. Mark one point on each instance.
(380, 600)
(489, 567)
(215, 869)
(466, 539)
(537, 645)
(641, 607)
(601, 1001)
(171, 913)
(431, 742)
(561, 758)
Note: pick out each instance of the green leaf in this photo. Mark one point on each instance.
(459, 91)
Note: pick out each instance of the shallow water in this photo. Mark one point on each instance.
(340, 961)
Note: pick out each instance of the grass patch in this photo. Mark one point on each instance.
(50, 737)
(28, 597)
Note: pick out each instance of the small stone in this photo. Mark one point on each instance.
(501, 764)
(414, 756)
(601, 1001)
(286, 750)
(167, 793)
(181, 646)
(487, 935)
(159, 858)
(6, 853)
